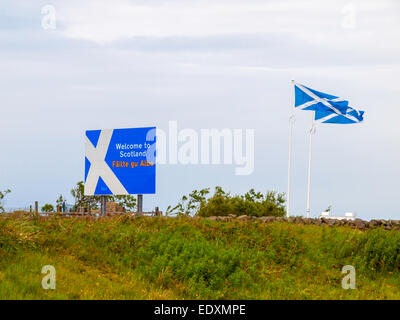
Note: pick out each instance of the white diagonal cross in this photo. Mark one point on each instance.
(99, 167)
(324, 101)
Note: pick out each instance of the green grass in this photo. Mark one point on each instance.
(185, 258)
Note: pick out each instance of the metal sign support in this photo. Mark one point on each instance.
(139, 204)
(103, 202)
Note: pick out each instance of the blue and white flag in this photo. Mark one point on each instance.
(328, 108)
(352, 116)
(310, 99)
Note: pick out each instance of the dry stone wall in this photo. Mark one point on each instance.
(356, 224)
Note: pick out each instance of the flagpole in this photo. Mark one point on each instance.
(291, 122)
(312, 131)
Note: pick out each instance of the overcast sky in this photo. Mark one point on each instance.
(207, 64)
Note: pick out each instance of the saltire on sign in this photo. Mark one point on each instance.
(328, 108)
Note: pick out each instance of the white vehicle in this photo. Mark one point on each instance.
(347, 216)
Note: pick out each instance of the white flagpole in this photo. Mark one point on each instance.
(291, 122)
(312, 131)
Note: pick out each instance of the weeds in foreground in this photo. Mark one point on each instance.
(185, 258)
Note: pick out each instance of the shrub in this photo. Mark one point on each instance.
(378, 250)
(128, 202)
(48, 208)
(222, 204)
(2, 196)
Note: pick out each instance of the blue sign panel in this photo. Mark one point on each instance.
(120, 161)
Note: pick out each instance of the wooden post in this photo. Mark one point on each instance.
(36, 207)
(157, 212)
(139, 204)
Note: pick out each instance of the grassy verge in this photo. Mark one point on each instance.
(167, 258)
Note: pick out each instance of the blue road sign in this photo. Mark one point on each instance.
(120, 161)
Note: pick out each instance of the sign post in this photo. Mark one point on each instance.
(103, 201)
(139, 204)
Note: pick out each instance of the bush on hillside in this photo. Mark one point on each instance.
(128, 202)
(48, 208)
(223, 204)
(2, 196)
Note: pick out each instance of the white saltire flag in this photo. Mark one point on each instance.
(328, 108)
(352, 116)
